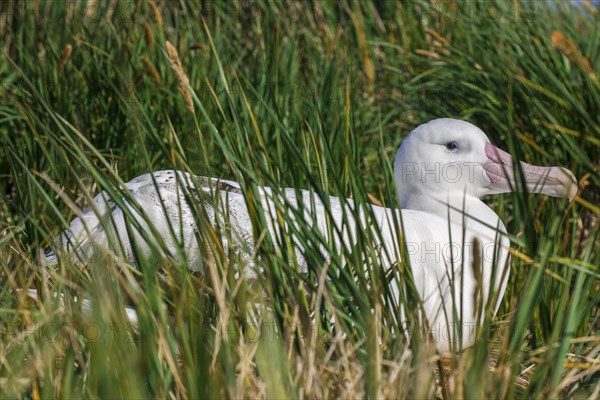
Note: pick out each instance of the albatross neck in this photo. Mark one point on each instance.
(441, 204)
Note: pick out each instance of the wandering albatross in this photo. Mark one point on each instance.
(441, 170)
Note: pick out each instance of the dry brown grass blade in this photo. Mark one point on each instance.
(589, 7)
(165, 353)
(60, 192)
(430, 54)
(526, 260)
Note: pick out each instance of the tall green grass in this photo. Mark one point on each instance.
(315, 96)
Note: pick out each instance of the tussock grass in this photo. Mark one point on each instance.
(311, 95)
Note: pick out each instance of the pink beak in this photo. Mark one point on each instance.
(552, 181)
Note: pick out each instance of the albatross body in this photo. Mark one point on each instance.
(456, 245)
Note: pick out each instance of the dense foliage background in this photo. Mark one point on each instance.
(314, 95)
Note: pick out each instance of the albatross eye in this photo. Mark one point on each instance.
(451, 146)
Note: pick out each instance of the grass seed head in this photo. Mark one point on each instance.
(151, 70)
(181, 76)
(148, 36)
(64, 56)
(156, 14)
(569, 49)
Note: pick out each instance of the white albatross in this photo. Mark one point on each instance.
(441, 170)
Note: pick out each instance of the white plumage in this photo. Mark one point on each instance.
(442, 169)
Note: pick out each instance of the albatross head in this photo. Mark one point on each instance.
(448, 158)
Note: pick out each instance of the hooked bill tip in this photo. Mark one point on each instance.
(571, 185)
